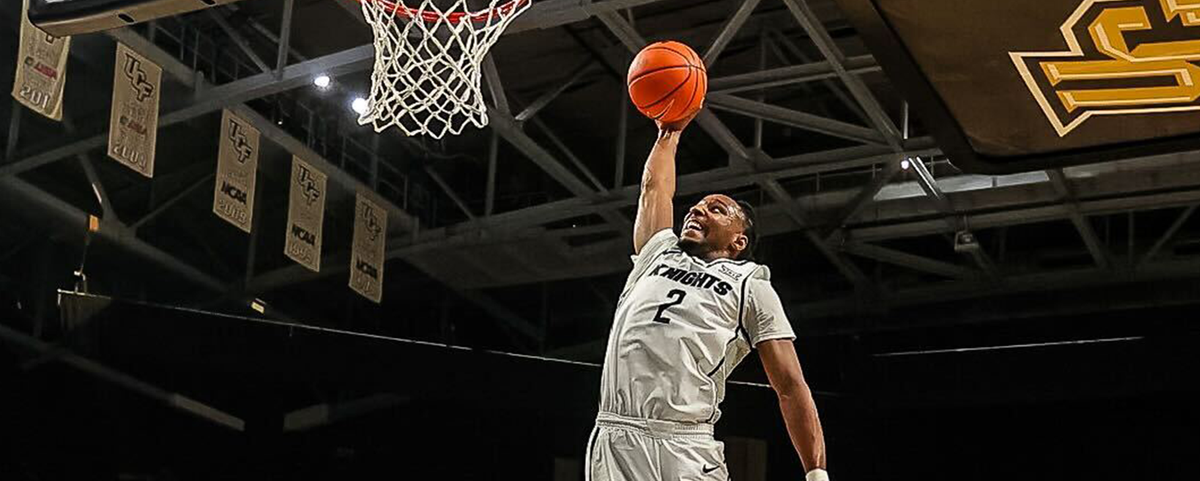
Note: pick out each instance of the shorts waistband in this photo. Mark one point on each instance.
(654, 427)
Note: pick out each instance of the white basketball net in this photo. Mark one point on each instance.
(427, 63)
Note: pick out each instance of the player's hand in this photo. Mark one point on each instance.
(678, 126)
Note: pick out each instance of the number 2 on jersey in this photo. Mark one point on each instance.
(676, 294)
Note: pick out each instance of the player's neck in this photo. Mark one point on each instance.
(707, 255)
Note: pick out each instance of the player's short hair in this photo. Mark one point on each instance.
(749, 219)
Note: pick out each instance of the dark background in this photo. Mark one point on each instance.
(1106, 410)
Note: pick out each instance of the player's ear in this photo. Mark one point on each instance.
(741, 242)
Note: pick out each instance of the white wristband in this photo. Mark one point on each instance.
(817, 475)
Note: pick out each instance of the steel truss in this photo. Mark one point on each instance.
(837, 223)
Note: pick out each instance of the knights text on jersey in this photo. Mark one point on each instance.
(682, 324)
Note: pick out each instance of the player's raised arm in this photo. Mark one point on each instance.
(655, 206)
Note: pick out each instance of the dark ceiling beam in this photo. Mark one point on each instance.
(580, 206)
(865, 196)
(489, 193)
(554, 13)
(865, 99)
(495, 86)
(986, 202)
(211, 99)
(352, 7)
(789, 75)
(858, 89)
(566, 151)
(285, 37)
(24, 199)
(851, 65)
(794, 118)
(239, 40)
(1167, 236)
(859, 157)
(437, 179)
(507, 224)
(911, 261)
(943, 205)
(1027, 204)
(620, 148)
(14, 134)
(324, 414)
(88, 366)
(1067, 194)
(730, 30)
(89, 170)
(740, 159)
(845, 266)
(1076, 279)
(274, 133)
(163, 207)
(98, 189)
(510, 130)
(269, 35)
(543, 100)
(544, 14)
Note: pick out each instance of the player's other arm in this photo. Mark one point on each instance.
(795, 401)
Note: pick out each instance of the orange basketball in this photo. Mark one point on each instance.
(667, 81)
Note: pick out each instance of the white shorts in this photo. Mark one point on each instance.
(632, 449)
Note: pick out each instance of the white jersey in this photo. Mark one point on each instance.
(682, 325)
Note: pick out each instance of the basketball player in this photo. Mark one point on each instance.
(693, 307)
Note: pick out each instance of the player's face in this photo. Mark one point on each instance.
(714, 225)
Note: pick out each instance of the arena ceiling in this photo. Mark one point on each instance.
(523, 227)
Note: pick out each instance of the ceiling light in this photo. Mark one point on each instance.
(322, 81)
(904, 164)
(359, 105)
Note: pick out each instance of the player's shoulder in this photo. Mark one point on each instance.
(661, 241)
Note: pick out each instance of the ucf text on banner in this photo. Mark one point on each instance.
(366, 253)
(237, 163)
(306, 214)
(41, 70)
(133, 125)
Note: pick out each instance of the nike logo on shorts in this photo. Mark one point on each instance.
(707, 469)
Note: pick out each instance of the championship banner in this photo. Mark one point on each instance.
(306, 214)
(41, 70)
(133, 125)
(237, 163)
(366, 252)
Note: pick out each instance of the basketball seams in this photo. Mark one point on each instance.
(659, 69)
(695, 89)
(668, 95)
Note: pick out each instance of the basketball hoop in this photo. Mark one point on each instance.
(426, 79)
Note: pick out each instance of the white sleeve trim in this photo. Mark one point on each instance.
(775, 336)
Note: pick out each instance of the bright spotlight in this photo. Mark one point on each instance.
(359, 105)
(322, 81)
(904, 164)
